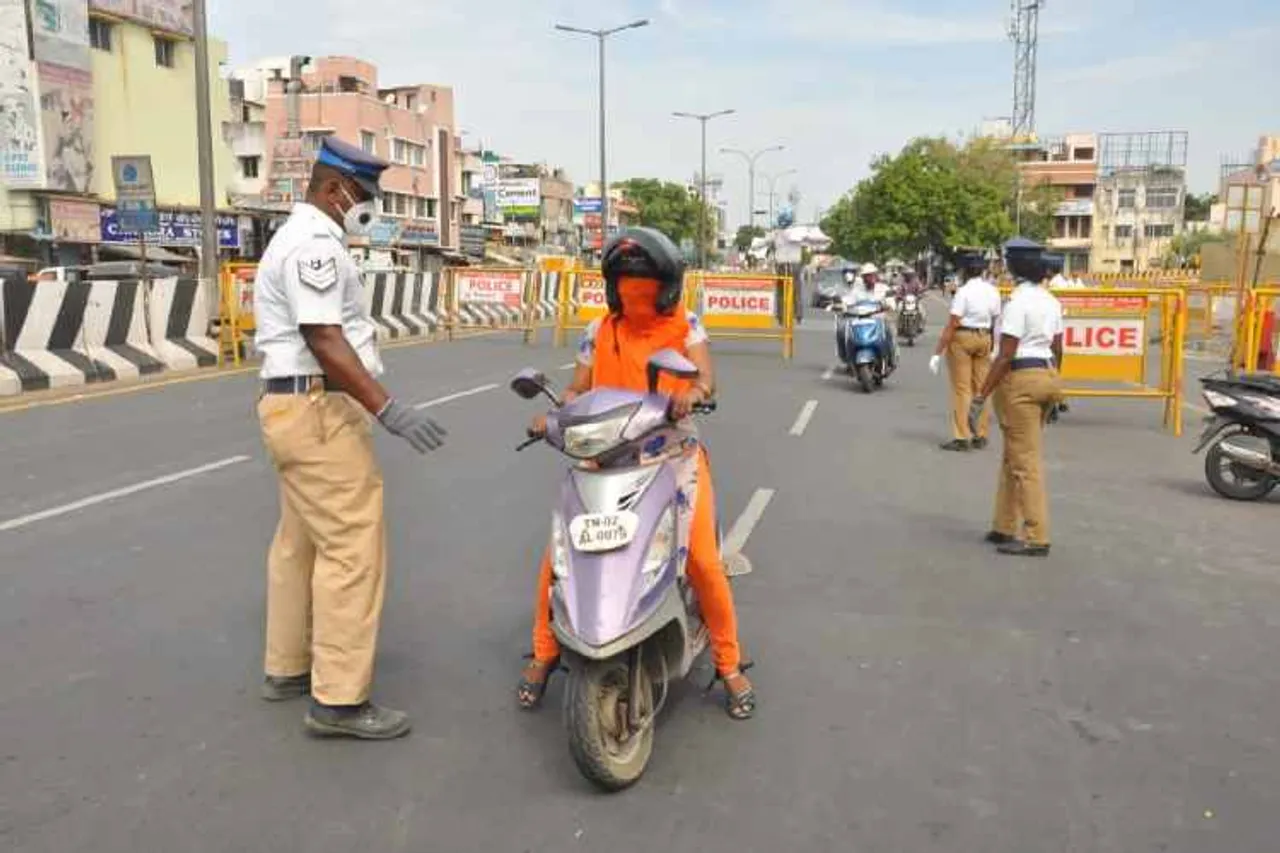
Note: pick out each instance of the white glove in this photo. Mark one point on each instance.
(935, 364)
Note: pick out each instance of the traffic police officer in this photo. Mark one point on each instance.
(326, 568)
(966, 343)
(1024, 378)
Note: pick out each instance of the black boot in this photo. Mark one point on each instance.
(366, 721)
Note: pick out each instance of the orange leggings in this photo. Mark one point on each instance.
(706, 574)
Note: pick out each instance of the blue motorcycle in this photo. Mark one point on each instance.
(864, 343)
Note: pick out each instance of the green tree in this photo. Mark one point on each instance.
(934, 195)
(1196, 208)
(746, 233)
(671, 208)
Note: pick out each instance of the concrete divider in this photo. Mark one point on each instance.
(115, 330)
(179, 321)
(43, 342)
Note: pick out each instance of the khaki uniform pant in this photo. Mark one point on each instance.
(1022, 402)
(327, 566)
(968, 361)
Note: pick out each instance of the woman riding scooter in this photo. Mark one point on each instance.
(644, 273)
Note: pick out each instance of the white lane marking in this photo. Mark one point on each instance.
(92, 500)
(802, 420)
(449, 398)
(738, 535)
(828, 373)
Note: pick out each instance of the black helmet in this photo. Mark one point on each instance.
(644, 253)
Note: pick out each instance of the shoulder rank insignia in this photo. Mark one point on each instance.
(318, 273)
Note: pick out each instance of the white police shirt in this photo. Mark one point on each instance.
(307, 277)
(1034, 317)
(859, 292)
(977, 304)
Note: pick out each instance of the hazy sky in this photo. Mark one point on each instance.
(837, 81)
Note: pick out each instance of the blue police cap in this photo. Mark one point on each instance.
(352, 161)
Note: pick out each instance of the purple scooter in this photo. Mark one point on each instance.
(625, 615)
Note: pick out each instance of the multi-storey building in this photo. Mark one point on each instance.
(86, 81)
(1069, 164)
(1141, 196)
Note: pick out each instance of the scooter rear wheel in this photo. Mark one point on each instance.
(608, 753)
(865, 379)
(1233, 480)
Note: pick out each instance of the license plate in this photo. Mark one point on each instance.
(603, 531)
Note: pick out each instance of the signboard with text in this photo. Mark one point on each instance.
(491, 287)
(173, 228)
(739, 302)
(589, 296)
(1104, 337)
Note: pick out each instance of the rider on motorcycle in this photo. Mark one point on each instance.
(872, 289)
(644, 273)
(912, 286)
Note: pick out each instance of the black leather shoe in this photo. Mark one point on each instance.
(366, 722)
(979, 444)
(959, 445)
(280, 688)
(1023, 549)
(995, 537)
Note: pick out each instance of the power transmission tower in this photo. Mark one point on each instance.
(1024, 30)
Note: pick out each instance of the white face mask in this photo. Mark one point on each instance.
(357, 220)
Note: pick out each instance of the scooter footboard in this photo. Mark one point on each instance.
(668, 627)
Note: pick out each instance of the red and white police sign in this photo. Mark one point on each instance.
(591, 290)
(733, 298)
(492, 288)
(1119, 336)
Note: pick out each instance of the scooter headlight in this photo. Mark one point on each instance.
(559, 548)
(662, 547)
(589, 440)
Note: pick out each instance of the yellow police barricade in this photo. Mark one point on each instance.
(581, 299)
(235, 309)
(1261, 331)
(1108, 339)
(744, 306)
(488, 299)
(551, 270)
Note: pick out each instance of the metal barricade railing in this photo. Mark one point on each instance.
(1108, 340)
(580, 299)
(744, 306)
(235, 310)
(488, 299)
(1260, 330)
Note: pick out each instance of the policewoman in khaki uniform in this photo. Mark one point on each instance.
(1025, 380)
(966, 341)
(326, 569)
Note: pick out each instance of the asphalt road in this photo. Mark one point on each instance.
(917, 692)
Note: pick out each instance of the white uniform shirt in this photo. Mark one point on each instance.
(1034, 317)
(859, 292)
(307, 277)
(977, 304)
(1059, 280)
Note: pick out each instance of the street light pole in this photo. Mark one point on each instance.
(204, 150)
(600, 36)
(751, 158)
(702, 119)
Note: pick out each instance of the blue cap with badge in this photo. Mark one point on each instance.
(354, 162)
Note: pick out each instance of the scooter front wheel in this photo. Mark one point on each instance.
(598, 703)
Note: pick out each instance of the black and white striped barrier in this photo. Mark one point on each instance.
(403, 305)
(59, 334)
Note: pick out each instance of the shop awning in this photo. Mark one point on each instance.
(154, 253)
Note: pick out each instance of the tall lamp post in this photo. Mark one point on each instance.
(600, 36)
(702, 119)
(773, 189)
(751, 157)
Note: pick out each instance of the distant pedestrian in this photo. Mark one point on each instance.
(326, 570)
(1024, 378)
(966, 341)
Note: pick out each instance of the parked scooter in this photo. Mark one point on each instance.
(625, 615)
(1242, 436)
(863, 342)
(910, 318)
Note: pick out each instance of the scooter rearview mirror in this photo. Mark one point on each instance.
(529, 383)
(670, 362)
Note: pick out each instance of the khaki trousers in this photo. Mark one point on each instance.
(326, 569)
(1022, 402)
(968, 361)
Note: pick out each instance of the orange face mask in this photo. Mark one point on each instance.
(639, 298)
